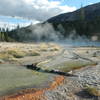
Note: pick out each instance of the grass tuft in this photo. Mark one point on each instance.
(92, 91)
(5, 56)
(16, 53)
(34, 53)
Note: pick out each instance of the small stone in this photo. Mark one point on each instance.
(1, 61)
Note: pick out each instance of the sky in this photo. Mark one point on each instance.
(24, 12)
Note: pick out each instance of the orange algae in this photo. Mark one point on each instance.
(34, 94)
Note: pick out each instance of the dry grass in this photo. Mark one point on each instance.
(92, 91)
(16, 53)
(34, 53)
(49, 47)
(54, 48)
(5, 56)
(43, 47)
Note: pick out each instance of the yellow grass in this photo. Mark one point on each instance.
(34, 53)
(5, 56)
(16, 53)
(92, 91)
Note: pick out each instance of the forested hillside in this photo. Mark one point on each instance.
(84, 22)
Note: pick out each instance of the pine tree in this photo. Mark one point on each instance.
(82, 13)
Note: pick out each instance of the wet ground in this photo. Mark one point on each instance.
(16, 76)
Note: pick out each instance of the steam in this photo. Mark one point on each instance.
(45, 32)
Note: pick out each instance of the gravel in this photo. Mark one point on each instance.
(72, 88)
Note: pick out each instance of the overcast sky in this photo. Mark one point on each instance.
(26, 11)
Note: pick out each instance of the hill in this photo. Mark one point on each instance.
(84, 23)
(88, 13)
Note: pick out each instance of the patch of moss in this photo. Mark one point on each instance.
(72, 65)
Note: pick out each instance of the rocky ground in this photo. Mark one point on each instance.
(65, 73)
(73, 87)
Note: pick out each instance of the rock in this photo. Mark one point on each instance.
(1, 61)
(70, 72)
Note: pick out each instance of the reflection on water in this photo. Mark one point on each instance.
(79, 43)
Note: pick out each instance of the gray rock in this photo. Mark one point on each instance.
(1, 61)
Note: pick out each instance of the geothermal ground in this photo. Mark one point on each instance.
(48, 71)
